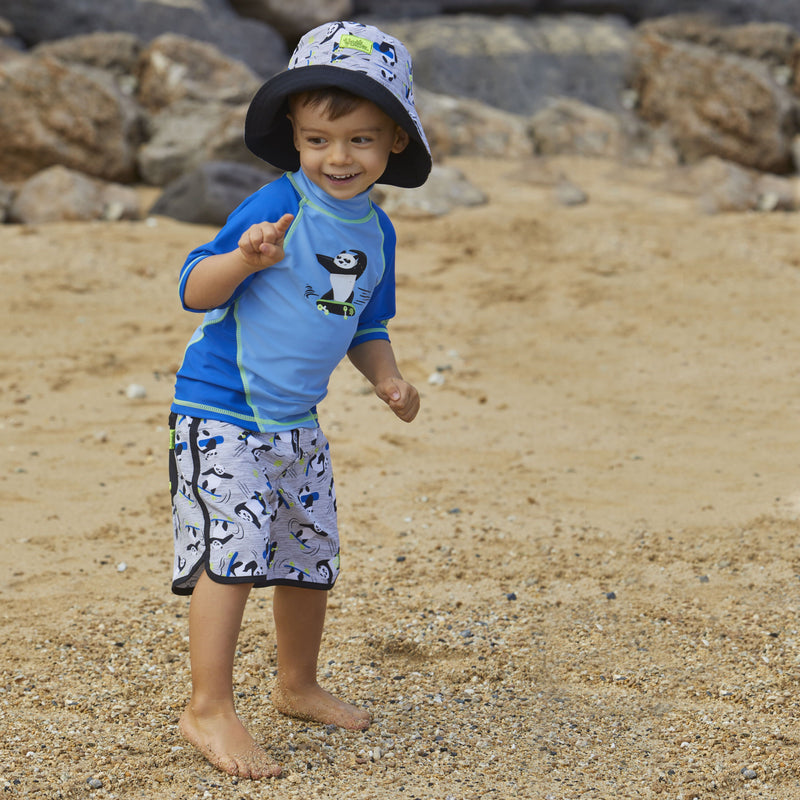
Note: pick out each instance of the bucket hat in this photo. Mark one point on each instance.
(360, 59)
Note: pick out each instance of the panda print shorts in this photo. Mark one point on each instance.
(251, 507)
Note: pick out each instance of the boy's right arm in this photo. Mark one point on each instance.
(213, 280)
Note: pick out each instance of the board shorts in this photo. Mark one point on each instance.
(251, 507)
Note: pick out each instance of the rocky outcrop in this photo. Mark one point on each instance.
(128, 106)
(713, 100)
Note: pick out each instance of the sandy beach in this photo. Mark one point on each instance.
(575, 575)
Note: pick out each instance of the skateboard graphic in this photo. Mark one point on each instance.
(330, 306)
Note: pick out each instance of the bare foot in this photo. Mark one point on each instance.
(225, 742)
(317, 705)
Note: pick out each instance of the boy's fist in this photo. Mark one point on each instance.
(400, 396)
(261, 245)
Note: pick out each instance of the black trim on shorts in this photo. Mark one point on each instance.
(177, 588)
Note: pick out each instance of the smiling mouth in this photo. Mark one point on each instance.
(342, 178)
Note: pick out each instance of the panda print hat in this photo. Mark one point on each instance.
(360, 59)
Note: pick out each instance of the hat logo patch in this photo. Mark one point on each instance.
(355, 43)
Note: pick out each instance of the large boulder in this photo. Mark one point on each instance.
(58, 194)
(54, 113)
(714, 102)
(175, 68)
(214, 21)
(518, 64)
(207, 195)
(190, 133)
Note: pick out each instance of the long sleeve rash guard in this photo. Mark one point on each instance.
(263, 360)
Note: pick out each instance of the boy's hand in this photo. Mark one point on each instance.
(261, 245)
(400, 396)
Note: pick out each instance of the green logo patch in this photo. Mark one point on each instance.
(356, 43)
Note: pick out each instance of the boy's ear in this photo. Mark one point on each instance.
(400, 140)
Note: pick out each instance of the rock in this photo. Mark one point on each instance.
(714, 103)
(720, 185)
(191, 133)
(117, 53)
(723, 186)
(776, 193)
(460, 126)
(749, 774)
(213, 21)
(568, 126)
(54, 113)
(135, 391)
(208, 194)
(175, 68)
(294, 19)
(518, 64)
(59, 194)
(446, 188)
(568, 193)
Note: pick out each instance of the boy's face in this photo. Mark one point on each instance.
(345, 156)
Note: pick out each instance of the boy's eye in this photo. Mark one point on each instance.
(361, 139)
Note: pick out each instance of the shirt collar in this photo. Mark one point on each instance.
(356, 207)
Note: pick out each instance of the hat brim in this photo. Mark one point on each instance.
(268, 132)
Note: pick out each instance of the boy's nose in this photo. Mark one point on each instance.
(339, 153)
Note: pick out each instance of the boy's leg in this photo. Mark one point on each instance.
(299, 619)
(209, 721)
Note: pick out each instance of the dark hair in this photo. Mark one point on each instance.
(336, 102)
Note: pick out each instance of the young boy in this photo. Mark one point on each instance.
(301, 274)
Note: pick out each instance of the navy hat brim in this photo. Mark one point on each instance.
(268, 131)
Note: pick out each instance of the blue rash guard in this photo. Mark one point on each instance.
(262, 361)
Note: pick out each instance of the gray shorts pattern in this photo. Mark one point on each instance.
(252, 507)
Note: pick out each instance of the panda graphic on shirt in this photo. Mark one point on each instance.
(345, 269)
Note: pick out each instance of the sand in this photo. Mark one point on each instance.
(576, 574)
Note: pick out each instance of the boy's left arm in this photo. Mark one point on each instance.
(375, 360)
